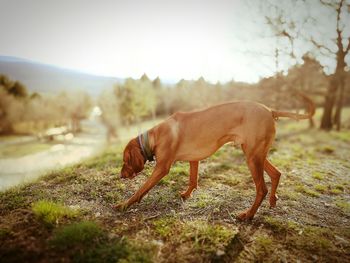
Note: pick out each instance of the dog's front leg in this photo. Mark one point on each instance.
(159, 172)
(193, 183)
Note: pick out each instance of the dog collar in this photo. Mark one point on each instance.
(145, 147)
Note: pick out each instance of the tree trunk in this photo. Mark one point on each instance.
(339, 106)
(6, 127)
(326, 122)
(311, 123)
(334, 93)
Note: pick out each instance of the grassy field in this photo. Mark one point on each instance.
(67, 215)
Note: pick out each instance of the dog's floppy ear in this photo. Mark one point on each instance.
(138, 160)
(127, 156)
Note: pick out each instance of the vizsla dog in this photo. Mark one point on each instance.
(194, 136)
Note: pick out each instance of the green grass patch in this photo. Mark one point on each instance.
(321, 188)
(202, 199)
(291, 195)
(278, 225)
(298, 151)
(341, 135)
(327, 149)
(229, 180)
(336, 191)
(304, 190)
(339, 187)
(242, 169)
(304, 238)
(51, 213)
(164, 226)
(317, 175)
(221, 167)
(264, 246)
(282, 163)
(64, 174)
(312, 239)
(344, 205)
(12, 199)
(207, 237)
(311, 161)
(178, 174)
(112, 196)
(180, 169)
(81, 233)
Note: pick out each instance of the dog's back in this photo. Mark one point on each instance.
(198, 134)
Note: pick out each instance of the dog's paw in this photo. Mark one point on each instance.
(121, 207)
(245, 215)
(273, 199)
(185, 195)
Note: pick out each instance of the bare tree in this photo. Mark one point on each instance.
(309, 27)
(280, 18)
(341, 42)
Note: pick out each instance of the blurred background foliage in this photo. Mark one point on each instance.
(25, 113)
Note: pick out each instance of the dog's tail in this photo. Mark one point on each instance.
(311, 110)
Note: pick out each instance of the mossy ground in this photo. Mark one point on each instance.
(310, 223)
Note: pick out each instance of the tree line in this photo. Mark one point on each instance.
(136, 100)
(21, 112)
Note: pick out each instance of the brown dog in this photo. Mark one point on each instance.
(194, 136)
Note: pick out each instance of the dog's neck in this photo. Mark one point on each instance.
(146, 150)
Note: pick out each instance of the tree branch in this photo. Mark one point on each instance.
(329, 4)
(348, 47)
(320, 46)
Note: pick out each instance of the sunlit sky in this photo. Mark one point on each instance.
(219, 40)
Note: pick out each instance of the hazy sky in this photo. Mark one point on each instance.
(187, 39)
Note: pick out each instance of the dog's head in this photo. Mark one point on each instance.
(134, 161)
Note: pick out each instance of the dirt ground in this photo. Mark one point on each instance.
(311, 222)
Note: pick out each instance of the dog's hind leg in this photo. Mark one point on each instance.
(193, 183)
(275, 175)
(255, 160)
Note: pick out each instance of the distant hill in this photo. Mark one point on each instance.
(45, 78)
